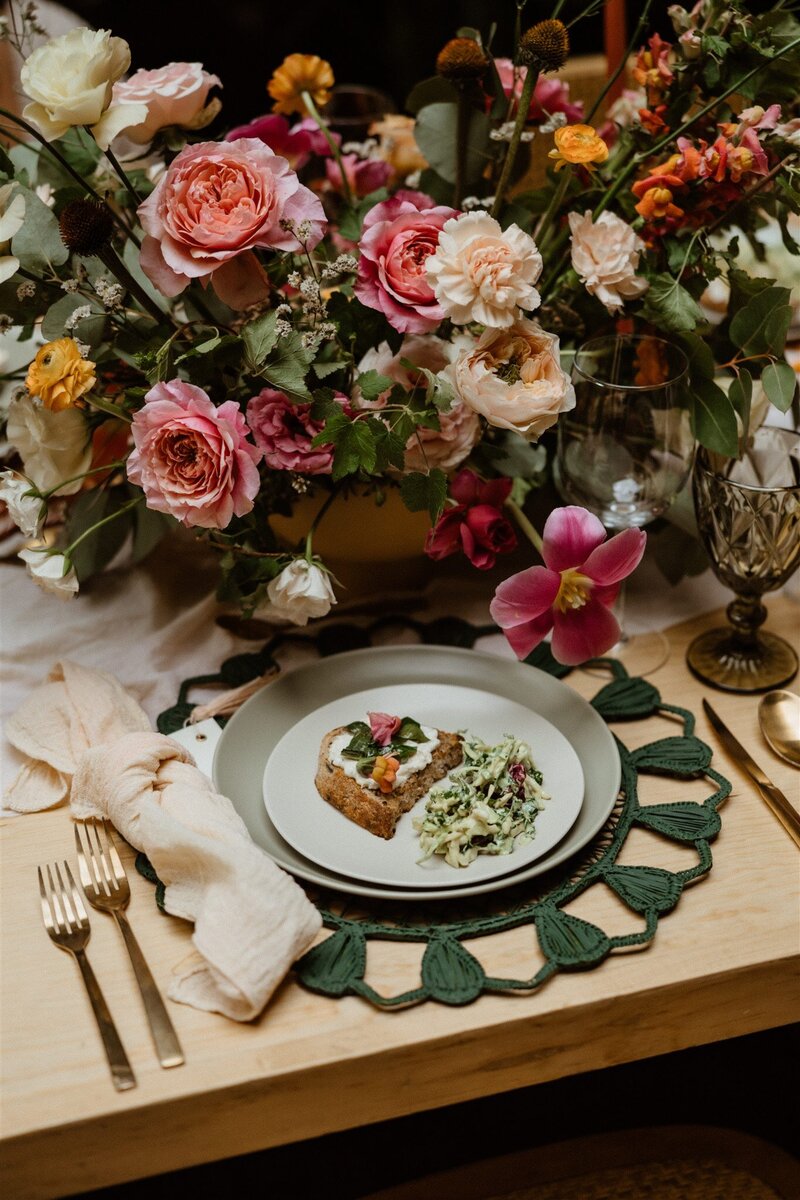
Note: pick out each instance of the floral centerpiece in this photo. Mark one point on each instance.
(234, 323)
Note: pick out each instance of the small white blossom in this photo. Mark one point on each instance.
(110, 293)
(506, 131)
(345, 264)
(554, 121)
(53, 572)
(365, 149)
(76, 316)
(294, 279)
(470, 203)
(6, 323)
(300, 592)
(412, 180)
(283, 328)
(70, 285)
(25, 510)
(26, 290)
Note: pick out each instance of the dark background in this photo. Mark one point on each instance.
(390, 45)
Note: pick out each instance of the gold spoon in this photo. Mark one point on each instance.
(779, 717)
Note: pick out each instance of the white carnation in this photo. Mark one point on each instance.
(480, 272)
(605, 254)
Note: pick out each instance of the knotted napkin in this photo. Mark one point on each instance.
(86, 739)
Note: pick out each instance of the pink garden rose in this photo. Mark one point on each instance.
(216, 202)
(295, 143)
(459, 428)
(192, 459)
(176, 94)
(572, 592)
(549, 95)
(364, 175)
(398, 237)
(285, 431)
(475, 523)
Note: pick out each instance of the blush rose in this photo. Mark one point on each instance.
(398, 237)
(176, 94)
(216, 202)
(192, 459)
(285, 431)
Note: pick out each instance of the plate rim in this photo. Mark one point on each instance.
(329, 881)
(503, 862)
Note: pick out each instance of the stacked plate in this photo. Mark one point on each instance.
(266, 762)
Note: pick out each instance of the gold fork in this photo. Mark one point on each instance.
(66, 921)
(107, 889)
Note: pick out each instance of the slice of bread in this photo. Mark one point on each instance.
(373, 810)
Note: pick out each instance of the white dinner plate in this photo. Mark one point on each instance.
(250, 736)
(323, 834)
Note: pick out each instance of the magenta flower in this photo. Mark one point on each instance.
(475, 523)
(572, 592)
(363, 175)
(293, 144)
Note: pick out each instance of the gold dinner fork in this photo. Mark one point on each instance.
(66, 921)
(106, 886)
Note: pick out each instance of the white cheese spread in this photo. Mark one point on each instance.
(420, 759)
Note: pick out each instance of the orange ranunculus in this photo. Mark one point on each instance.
(300, 73)
(578, 144)
(59, 376)
(385, 772)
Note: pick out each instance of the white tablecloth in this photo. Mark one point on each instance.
(154, 625)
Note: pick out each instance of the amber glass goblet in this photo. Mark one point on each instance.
(748, 514)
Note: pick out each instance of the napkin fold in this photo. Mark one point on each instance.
(85, 738)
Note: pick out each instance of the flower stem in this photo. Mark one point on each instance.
(528, 84)
(331, 140)
(105, 521)
(315, 523)
(531, 533)
(112, 260)
(641, 25)
(130, 189)
(83, 475)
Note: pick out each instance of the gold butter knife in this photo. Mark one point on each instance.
(773, 796)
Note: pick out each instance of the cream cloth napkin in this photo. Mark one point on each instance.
(86, 739)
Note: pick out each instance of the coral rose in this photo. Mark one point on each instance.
(398, 238)
(300, 73)
(605, 254)
(216, 201)
(580, 145)
(176, 94)
(459, 427)
(483, 273)
(192, 459)
(514, 379)
(70, 81)
(59, 375)
(285, 431)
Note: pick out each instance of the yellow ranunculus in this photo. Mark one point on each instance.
(578, 144)
(59, 376)
(300, 73)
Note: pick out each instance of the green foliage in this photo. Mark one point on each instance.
(740, 394)
(422, 492)
(435, 134)
(286, 366)
(372, 384)
(760, 326)
(713, 418)
(259, 338)
(435, 90)
(38, 244)
(780, 383)
(90, 329)
(100, 546)
(352, 221)
(670, 305)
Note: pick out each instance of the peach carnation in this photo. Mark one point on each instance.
(605, 254)
(480, 272)
(513, 378)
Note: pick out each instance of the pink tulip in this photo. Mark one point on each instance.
(572, 593)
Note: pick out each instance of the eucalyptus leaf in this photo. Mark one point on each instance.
(430, 91)
(754, 326)
(713, 419)
(38, 244)
(90, 329)
(436, 135)
(740, 394)
(780, 383)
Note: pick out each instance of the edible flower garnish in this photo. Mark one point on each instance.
(383, 727)
(385, 772)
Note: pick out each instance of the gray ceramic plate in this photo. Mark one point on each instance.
(251, 735)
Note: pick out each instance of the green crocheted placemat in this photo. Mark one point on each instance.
(449, 972)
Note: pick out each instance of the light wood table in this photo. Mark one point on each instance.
(725, 963)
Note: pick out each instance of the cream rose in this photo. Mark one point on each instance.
(70, 81)
(53, 572)
(480, 272)
(605, 254)
(513, 378)
(12, 216)
(176, 94)
(53, 446)
(300, 592)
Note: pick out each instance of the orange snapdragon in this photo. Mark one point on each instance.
(385, 772)
(580, 145)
